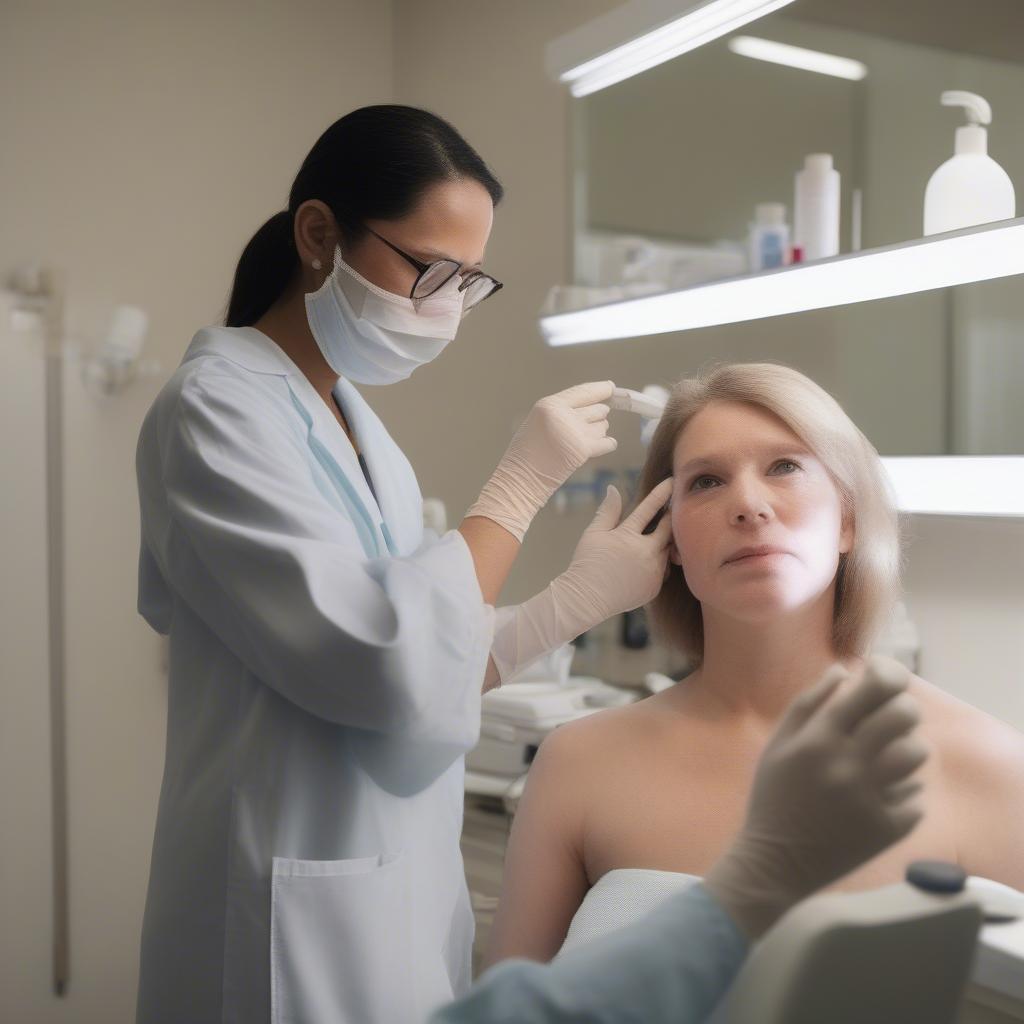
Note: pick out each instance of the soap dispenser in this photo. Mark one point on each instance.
(969, 188)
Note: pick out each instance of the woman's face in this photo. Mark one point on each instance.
(744, 480)
(451, 221)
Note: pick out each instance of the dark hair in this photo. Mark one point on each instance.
(372, 164)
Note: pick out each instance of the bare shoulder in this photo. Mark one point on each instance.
(974, 749)
(600, 743)
(599, 735)
(981, 760)
(577, 766)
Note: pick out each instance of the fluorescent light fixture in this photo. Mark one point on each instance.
(958, 485)
(594, 56)
(938, 261)
(798, 57)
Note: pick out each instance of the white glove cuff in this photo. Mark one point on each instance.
(525, 632)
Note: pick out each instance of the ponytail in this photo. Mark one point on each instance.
(263, 272)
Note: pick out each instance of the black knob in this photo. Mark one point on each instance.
(936, 876)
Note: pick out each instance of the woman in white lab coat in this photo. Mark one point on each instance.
(326, 656)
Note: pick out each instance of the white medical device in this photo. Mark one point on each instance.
(517, 716)
(939, 948)
(649, 404)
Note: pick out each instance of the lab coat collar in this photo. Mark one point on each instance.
(249, 348)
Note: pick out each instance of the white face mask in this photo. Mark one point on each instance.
(372, 336)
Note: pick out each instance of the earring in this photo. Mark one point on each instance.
(317, 264)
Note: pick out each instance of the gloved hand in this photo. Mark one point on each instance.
(615, 568)
(833, 788)
(559, 435)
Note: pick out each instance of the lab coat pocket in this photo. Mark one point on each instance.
(340, 941)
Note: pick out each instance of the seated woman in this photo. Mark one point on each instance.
(785, 559)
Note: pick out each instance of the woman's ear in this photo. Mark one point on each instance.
(316, 233)
(847, 535)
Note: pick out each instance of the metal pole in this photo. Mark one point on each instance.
(54, 404)
(37, 310)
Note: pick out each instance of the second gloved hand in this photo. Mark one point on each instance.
(615, 568)
(834, 787)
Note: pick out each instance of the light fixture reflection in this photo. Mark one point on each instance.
(798, 57)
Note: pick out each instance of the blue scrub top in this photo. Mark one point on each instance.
(674, 965)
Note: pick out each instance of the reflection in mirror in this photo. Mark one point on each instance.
(671, 165)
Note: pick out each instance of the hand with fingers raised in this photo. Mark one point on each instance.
(616, 567)
(560, 434)
(834, 787)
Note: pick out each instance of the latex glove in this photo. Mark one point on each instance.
(615, 568)
(559, 435)
(833, 788)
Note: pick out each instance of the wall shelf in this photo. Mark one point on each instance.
(939, 261)
(958, 485)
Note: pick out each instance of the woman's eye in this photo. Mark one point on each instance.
(787, 462)
(697, 483)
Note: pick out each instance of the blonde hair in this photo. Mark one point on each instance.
(868, 577)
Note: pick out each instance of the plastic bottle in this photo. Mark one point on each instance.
(816, 208)
(769, 237)
(970, 187)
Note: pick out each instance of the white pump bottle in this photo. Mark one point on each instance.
(969, 188)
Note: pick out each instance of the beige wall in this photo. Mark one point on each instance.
(143, 143)
(485, 73)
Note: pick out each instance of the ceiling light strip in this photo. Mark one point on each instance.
(663, 41)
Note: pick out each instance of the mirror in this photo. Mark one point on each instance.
(670, 165)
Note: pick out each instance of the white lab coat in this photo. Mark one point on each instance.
(326, 661)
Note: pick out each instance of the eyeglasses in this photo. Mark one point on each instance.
(432, 276)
